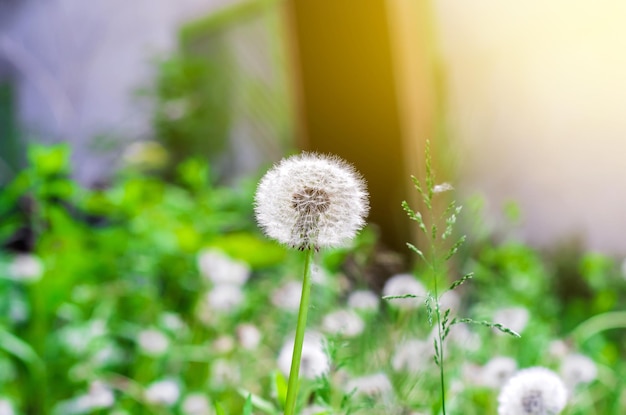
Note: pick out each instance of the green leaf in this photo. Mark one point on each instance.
(257, 402)
(417, 251)
(247, 407)
(396, 297)
(280, 388)
(219, 410)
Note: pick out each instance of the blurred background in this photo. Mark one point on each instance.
(525, 102)
(133, 278)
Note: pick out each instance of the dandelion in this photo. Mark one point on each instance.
(363, 300)
(219, 268)
(163, 392)
(26, 268)
(343, 322)
(402, 284)
(196, 404)
(497, 371)
(578, 369)
(533, 391)
(249, 336)
(153, 342)
(314, 360)
(308, 202)
(411, 356)
(225, 298)
(311, 201)
(376, 385)
(514, 318)
(6, 408)
(287, 297)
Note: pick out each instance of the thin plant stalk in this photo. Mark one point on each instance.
(292, 386)
(439, 335)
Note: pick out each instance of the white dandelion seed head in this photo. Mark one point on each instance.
(515, 318)
(577, 369)
(411, 356)
(225, 298)
(497, 371)
(219, 268)
(533, 391)
(249, 336)
(163, 392)
(401, 284)
(225, 372)
(343, 322)
(26, 268)
(196, 404)
(287, 297)
(363, 300)
(153, 342)
(311, 201)
(314, 360)
(377, 385)
(6, 407)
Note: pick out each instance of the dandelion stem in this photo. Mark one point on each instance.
(292, 386)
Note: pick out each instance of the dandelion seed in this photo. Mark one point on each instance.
(311, 201)
(533, 391)
(577, 369)
(314, 360)
(401, 284)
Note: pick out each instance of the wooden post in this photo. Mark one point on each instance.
(364, 87)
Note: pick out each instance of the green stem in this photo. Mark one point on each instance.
(292, 386)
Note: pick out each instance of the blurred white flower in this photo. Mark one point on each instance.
(26, 268)
(287, 297)
(314, 360)
(100, 396)
(514, 318)
(558, 349)
(533, 391)
(343, 322)
(497, 371)
(411, 355)
(315, 410)
(401, 284)
(6, 407)
(220, 269)
(196, 404)
(311, 201)
(172, 322)
(174, 109)
(449, 300)
(153, 342)
(225, 372)
(249, 336)
(163, 392)
(578, 369)
(377, 385)
(364, 300)
(224, 344)
(464, 337)
(225, 298)
(443, 187)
